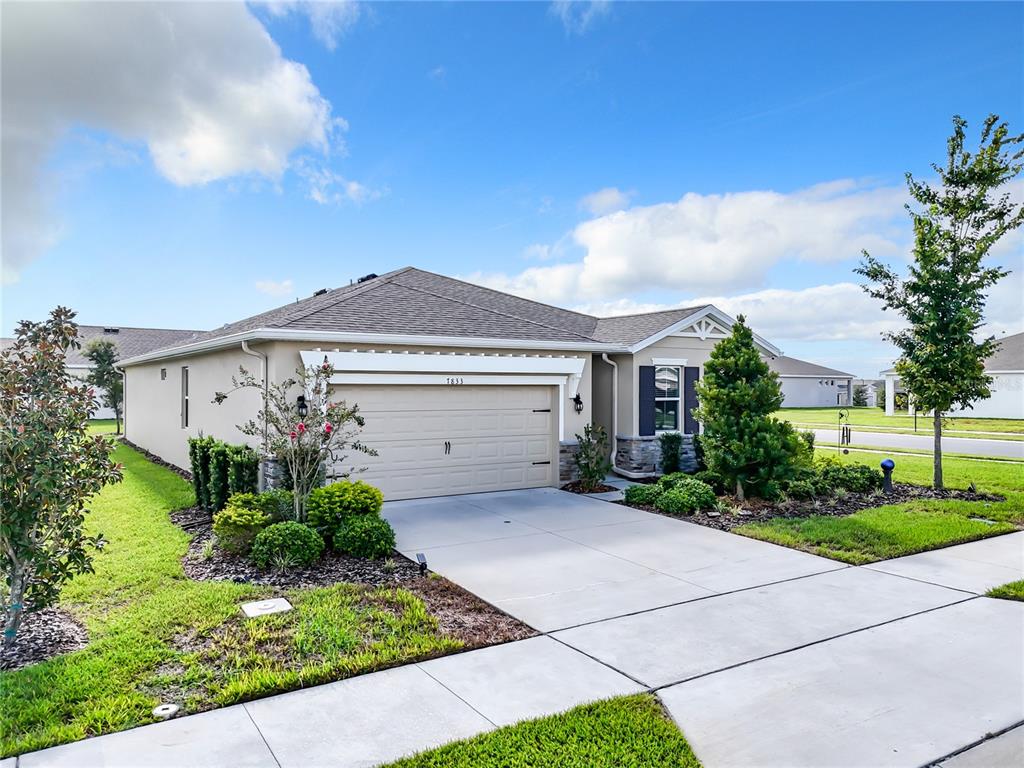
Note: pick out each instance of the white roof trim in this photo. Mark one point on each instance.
(709, 311)
(669, 361)
(345, 337)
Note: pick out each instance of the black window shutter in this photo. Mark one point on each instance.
(646, 399)
(690, 376)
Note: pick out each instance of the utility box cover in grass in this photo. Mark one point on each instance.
(266, 607)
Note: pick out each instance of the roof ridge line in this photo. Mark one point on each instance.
(496, 311)
(356, 290)
(655, 312)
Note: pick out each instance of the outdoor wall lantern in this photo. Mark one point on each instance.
(301, 407)
(577, 403)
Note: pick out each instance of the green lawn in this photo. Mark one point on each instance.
(1013, 429)
(628, 732)
(102, 426)
(157, 636)
(895, 530)
(1012, 591)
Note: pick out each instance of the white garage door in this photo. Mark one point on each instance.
(441, 440)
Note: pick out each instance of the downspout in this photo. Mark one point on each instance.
(263, 372)
(615, 407)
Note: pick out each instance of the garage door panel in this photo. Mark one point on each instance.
(500, 438)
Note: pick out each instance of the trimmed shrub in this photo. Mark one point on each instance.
(243, 469)
(711, 478)
(686, 497)
(801, 489)
(277, 503)
(365, 536)
(698, 450)
(834, 475)
(237, 525)
(199, 462)
(644, 495)
(591, 457)
(330, 504)
(286, 545)
(220, 454)
(668, 482)
(671, 442)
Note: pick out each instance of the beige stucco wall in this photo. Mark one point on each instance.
(694, 350)
(153, 407)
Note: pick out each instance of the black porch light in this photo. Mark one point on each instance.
(301, 407)
(577, 403)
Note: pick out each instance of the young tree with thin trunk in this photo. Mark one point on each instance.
(105, 377)
(51, 467)
(942, 300)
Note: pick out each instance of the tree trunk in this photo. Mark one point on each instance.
(937, 475)
(117, 421)
(739, 489)
(15, 606)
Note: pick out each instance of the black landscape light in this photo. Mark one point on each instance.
(888, 465)
(301, 407)
(422, 560)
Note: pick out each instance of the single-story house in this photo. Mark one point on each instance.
(809, 385)
(1005, 366)
(464, 389)
(872, 389)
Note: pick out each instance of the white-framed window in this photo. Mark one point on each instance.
(667, 389)
(184, 396)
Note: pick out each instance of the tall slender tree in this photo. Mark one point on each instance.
(105, 377)
(942, 300)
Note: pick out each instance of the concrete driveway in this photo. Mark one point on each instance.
(765, 656)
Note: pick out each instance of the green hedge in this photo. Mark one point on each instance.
(220, 470)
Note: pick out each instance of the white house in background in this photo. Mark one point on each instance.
(809, 385)
(1005, 366)
(873, 389)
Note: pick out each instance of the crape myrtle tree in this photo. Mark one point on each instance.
(105, 377)
(742, 442)
(51, 467)
(942, 300)
(304, 443)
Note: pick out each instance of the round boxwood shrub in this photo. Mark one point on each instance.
(670, 481)
(365, 536)
(237, 525)
(328, 506)
(643, 495)
(856, 478)
(686, 497)
(712, 478)
(286, 545)
(800, 489)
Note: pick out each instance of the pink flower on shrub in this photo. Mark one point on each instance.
(328, 428)
(292, 435)
(301, 427)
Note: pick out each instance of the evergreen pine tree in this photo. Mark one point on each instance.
(738, 395)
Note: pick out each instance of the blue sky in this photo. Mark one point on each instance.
(607, 157)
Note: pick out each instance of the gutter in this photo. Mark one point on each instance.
(344, 337)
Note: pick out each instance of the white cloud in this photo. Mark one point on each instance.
(329, 20)
(709, 243)
(437, 73)
(604, 201)
(577, 16)
(276, 288)
(201, 85)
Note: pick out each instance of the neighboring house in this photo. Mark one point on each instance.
(809, 385)
(1005, 366)
(463, 388)
(873, 388)
(130, 342)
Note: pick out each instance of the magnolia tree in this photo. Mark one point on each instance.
(323, 434)
(51, 467)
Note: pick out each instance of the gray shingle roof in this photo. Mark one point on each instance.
(130, 341)
(414, 302)
(791, 366)
(1009, 356)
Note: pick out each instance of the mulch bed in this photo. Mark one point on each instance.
(759, 510)
(574, 487)
(458, 612)
(42, 635)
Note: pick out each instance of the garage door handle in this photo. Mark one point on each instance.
(541, 462)
(447, 447)
(542, 410)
